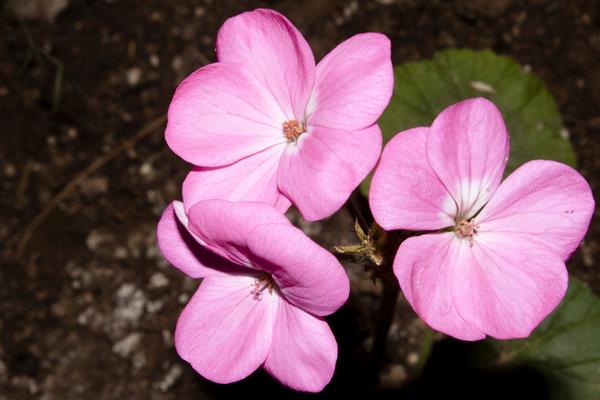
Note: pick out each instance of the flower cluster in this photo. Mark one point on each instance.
(266, 128)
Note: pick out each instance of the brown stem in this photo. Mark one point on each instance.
(387, 310)
(358, 208)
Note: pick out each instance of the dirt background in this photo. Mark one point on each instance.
(88, 309)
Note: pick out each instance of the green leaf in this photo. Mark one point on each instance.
(423, 89)
(565, 348)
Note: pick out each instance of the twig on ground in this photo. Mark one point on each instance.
(80, 177)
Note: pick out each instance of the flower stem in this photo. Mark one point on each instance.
(387, 310)
(358, 208)
(425, 352)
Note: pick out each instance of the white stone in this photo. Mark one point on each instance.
(134, 76)
(127, 345)
(158, 280)
(170, 378)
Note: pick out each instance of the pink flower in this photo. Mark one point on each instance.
(265, 290)
(495, 263)
(265, 124)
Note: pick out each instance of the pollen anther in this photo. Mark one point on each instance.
(261, 284)
(466, 229)
(292, 129)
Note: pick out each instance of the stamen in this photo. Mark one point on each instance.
(292, 130)
(466, 229)
(261, 284)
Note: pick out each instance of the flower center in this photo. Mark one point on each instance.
(261, 284)
(292, 129)
(465, 229)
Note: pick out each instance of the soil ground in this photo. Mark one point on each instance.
(88, 310)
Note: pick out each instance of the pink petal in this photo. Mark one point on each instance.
(542, 201)
(319, 173)
(354, 83)
(224, 332)
(307, 275)
(251, 179)
(426, 269)
(467, 147)
(221, 114)
(507, 286)
(282, 204)
(405, 192)
(276, 54)
(224, 225)
(181, 249)
(304, 350)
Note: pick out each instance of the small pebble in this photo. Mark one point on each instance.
(72, 133)
(127, 345)
(394, 377)
(134, 75)
(154, 306)
(121, 253)
(177, 63)
(412, 359)
(199, 12)
(170, 378)
(96, 238)
(10, 170)
(183, 298)
(154, 60)
(158, 280)
(94, 186)
(146, 169)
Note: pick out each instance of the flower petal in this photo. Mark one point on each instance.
(224, 225)
(319, 173)
(224, 332)
(506, 286)
(271, 48)
(542, 201)
(467, 147)
(405, 192)
(354, 83)
(182, 250)
(304, 350)
(221, 114)
(251, 179)
(426, 267)
(307, 275)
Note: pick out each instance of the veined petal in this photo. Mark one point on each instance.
(224, 225)
(225, 332)
(253, 178)
(542, 201)
(354, 83)
(276, 54)
(221, 114)
(321, 171)
(405, 192)
(426, 268)
(506, 286)
(467, 147)
(304, 350)
(182, 250)
(307, 275)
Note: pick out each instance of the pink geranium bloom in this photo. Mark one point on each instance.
(265, 290)
(265, 124)
(495, 265)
